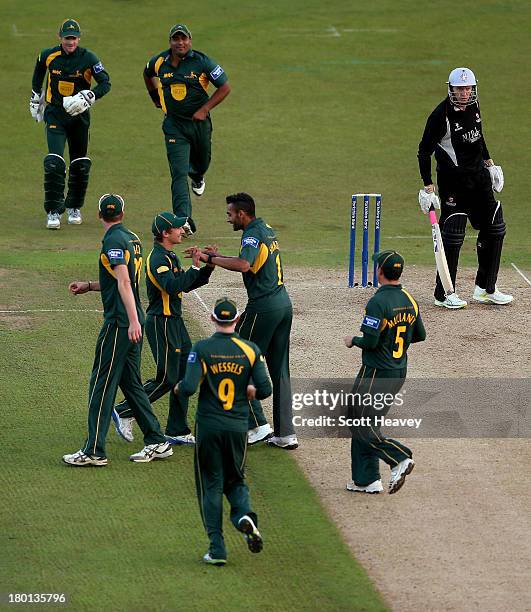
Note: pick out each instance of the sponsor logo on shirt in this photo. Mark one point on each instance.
(372, 322)
(115, 254)
(458, 127)
(77, 73)
(217, 72)
(192, 357)
(97, 68)
(254, 242)
(450, 202)
(478, 118)
(192, 75)
(167, 75)
(472, 135)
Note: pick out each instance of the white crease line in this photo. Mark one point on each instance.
(201, 300)
(46, 310)
(521, 274)
(334, 31)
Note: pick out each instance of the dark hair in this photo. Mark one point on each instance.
(242, 201)
(393, 274)
(111, 218)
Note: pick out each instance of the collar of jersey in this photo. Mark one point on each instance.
(382, 287)
(113, 228)
(253, 223)
(189, 53)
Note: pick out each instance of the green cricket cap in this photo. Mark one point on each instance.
(69, 27)
(225, 310)
(391, 262)
(166, 221)
(180, 27)
(111, 205)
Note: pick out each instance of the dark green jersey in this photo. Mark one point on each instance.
(166, 281)
(184, 88)
(265, 279)
(69, 73)
(392, 315)
(119, 246)
(223, 365)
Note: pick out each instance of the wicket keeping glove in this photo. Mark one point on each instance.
(75, 105)
(34, 105)
(496, 177)
(427, 200)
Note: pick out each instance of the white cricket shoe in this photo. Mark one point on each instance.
(285, 442)
(123, 426)
(263, 432)
(80, 459)
(186, 439)
(481, 296)
(53, 220)
(208, 558)
(374, 487)
(74, 216)
(199, 188)
(252, 535)
(399, 473)
(152, 452)
(452, 301)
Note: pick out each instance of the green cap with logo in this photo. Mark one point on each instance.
(180, 27)
(111, 205)
(69, 27)
(167, 220)
(391, 262)
(225, 310)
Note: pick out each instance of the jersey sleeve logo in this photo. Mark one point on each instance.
(372, 322)
(115, 254)
(217, 72)
(250, 241)
(192, 357)
(97, 68)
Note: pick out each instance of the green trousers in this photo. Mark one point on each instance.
(60, 129)
(117, 364)
(219, 469)
(188, 147)
(170, 344)
(271, 331)
(369, 445)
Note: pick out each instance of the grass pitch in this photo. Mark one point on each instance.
(327, 100)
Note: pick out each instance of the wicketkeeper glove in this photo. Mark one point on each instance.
(427, 200)
(75, 105)
(496, 177)
(34, 105)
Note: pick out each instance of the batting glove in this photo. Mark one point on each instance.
(496, 177)
(427, 200)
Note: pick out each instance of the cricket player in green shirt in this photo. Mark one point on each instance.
(391, 323)
(177, 81)
(267, 317)
(165, 330)
(230, 371)
(64, 105)
(119, 346)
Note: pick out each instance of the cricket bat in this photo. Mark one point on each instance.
(440, 257)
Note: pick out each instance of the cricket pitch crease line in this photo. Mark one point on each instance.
(48, 310)
(521, 274)
(200, 299)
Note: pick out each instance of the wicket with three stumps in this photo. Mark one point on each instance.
(365, 244)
